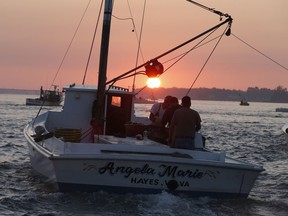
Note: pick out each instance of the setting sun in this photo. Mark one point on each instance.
(153, 82)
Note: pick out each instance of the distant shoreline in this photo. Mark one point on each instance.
(19, 91)
(252, 94)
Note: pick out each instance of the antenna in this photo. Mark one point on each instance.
(210, 9)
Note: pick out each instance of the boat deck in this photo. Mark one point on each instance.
(127, 141)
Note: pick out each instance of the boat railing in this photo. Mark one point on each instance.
(111, 146)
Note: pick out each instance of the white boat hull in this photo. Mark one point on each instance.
(152, 177)
(39, 159)
(39, 102)
(147, 167)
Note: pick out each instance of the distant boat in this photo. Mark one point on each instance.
(141, 100)
(47, 98)
(244, 103)
(281, 109)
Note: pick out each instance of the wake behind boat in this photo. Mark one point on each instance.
(47, 98)
(86, 145)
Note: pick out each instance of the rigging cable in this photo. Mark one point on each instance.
(179, 57)
(260, 52)
(134, 27)
(227, 32)
(228, 20)
(227, 28)
(92, 44)
(194, 47)
(65, 54)
(70, 44)
(139, 42)
(137, 37)
(227, 15)
(210, 9)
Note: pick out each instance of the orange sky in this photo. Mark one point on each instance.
(35, 35)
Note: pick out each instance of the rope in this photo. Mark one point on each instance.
(260, 52)
(86, 133)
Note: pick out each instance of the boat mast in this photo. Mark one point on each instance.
(100, 104)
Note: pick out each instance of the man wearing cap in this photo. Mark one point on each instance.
(185, 122)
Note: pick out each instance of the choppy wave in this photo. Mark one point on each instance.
(250, 133)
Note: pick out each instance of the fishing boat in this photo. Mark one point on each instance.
(281, 109)
(47, 98)
(97, 143)
(244, 103)
(141, 100)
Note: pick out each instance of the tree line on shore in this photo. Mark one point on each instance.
(252, 94)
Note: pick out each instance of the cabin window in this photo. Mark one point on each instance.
(116, 101)
(119, 108)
